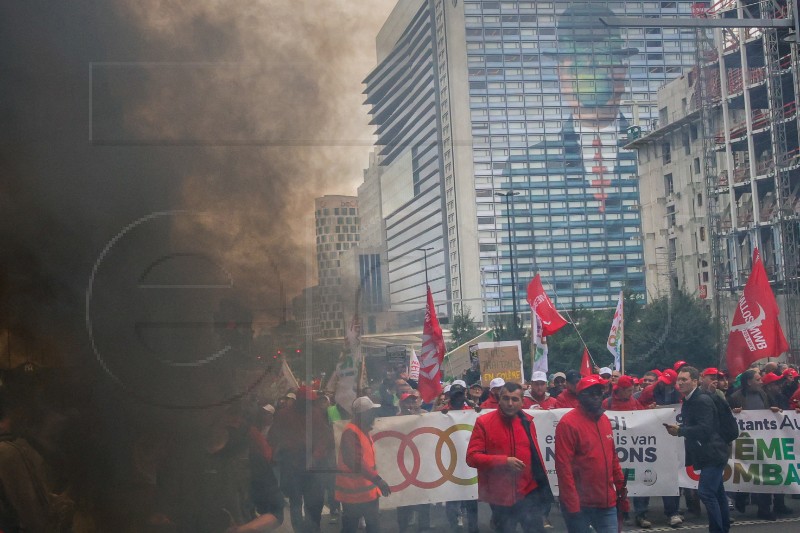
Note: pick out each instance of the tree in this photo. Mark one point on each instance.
(463, 329)
(670, 329)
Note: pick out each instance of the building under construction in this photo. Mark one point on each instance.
(726, 148)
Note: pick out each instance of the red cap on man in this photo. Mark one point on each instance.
(769, 377)
(678, 365)
(711, 372)
(624, 382)
(590, 381)
(668, 377)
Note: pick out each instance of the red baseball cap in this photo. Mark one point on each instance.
(711, 372)
(625, 382)
(769, 377)
(590, 381)
(790, 373)
(657, 372)
(669, 376)
(678, 365)
(406, 395)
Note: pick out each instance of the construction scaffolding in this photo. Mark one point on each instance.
(748, 86)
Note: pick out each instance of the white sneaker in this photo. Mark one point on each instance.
(675, 520)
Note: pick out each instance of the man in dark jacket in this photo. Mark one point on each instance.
(705, 449)
(590, 478)
(511, 475)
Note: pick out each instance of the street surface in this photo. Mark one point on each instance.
(743, 522)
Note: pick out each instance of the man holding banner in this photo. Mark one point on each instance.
(511, 475)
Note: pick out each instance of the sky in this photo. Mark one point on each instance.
(134, 128)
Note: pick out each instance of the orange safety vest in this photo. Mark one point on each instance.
(353, 487)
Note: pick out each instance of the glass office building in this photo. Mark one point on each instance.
(535, 100)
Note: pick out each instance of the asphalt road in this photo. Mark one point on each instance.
(746, 522)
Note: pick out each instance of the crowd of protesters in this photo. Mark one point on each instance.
(254, 463)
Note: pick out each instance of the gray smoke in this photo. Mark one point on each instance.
(236, 114)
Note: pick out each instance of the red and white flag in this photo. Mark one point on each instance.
(755, 331)
(586, 363)
(413, 366)
(542, 307)
(617, 333)
(432, 354)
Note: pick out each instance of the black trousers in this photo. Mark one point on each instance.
(423, 516)
(305, 492)
(528, 513)
(351, 512)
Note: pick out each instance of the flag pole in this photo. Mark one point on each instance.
(622, 336)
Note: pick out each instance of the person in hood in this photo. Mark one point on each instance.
(590, 478)
(568, 397)
(511, 475)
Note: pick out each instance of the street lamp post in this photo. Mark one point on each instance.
(425, 251)
(508, 196)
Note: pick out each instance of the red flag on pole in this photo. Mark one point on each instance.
(543, 308)
(586, 363)
(432, 354)
(755, 330)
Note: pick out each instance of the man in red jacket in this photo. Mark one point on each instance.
(590, 479)
(568, 398)
(511, 475)
(621, 398)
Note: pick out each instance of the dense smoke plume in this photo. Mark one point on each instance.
(243, 111)
(139, 130)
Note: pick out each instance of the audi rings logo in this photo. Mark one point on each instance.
(407, 442)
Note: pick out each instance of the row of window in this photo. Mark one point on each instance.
(336, 211)
(684, 6)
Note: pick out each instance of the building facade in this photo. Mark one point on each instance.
(337, 220)
(474, 100)
(742, 100)
(673, 196)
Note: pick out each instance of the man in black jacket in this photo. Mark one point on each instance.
(705, 449)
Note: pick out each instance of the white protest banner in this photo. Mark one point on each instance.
(765, 457)
(500, 360)
(423, 457)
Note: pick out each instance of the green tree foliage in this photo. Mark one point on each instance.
(656, 335)
(670, 329)
(463, 329)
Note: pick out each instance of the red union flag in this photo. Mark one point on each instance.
(542, 307)
(586, 363)
(755, 331)
(432, 354)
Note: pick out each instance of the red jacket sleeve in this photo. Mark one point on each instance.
(646, 397)
(476, 450)
(565, 446)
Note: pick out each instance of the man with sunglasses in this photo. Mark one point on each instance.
(590, 478)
